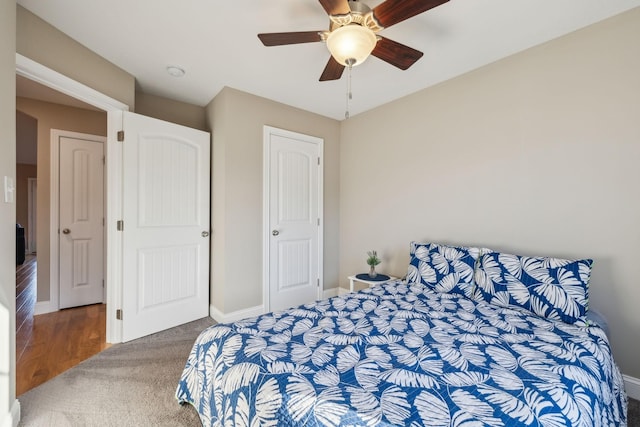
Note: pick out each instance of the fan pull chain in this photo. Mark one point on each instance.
(350, 63)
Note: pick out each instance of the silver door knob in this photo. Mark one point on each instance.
(66, 231)
(275, 232)
(205, 234)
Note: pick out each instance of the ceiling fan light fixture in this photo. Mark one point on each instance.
(351, 44)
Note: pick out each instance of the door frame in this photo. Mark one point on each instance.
(266, 204)
(32, 185)
(54, 213)
(39, 73)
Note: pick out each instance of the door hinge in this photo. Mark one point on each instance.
(103, 283)
(104, 162)
(120, 225)
(318, 222)
(318, 281)
(118, 314)
(318, 161)
(120, 135)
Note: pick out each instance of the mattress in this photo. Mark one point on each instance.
(403, 354)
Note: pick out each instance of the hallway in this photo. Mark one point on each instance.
(51, 343)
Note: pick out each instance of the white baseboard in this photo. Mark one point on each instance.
(15, 413)
(333, 292)
(12, 418)
(632, 386)
(328, 293)
(234, 316)
(43, 307)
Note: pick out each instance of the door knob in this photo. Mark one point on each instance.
(275, 232)
(205, 234)
(66, 231)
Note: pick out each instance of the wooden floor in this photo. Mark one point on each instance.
(49, 344)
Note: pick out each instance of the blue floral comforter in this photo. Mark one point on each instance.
(401, 354)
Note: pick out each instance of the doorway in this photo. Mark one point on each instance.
(116, 199)
(32, 208)
(78, 92)
(49, 341)
(26, 262)
(78, 200)
(26, 175)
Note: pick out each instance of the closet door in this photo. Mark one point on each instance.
(293, 199)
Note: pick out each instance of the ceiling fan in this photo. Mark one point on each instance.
(352, 34)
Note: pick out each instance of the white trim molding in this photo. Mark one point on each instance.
(334, 292)
(12, 418)
(32, 185)
(330, 293)
(234, 316)
(54, 184)
(39, 73)
(43, 307)
(632, 387)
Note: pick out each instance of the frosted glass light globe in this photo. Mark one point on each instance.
(351, 43)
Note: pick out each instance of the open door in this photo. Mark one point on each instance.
(165, 225)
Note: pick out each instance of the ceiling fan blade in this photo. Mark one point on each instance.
(332, 71)
(391, 12)
(335, 7)
(396, 53)
(278, 39)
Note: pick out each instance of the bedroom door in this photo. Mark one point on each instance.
(80, 218)
(293, 223)
(165, 225)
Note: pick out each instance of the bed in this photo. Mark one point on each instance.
(419, 352)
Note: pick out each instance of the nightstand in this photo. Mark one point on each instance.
(362, 278)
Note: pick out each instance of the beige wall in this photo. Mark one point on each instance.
(536, 154)
(237, 119)
(43, 43)
(7, 210)
(26, 139)
(23, 173)
(171, 111)
(53, 116)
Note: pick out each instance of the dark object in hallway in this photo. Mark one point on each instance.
(19, 244)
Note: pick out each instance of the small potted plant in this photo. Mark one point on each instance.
(372, 261)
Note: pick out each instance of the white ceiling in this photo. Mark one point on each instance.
(216, 43)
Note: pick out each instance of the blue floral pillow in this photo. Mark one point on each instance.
(549, 287)
(443, 268)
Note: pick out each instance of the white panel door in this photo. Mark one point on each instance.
(166, 225)
(294, 218)
(81, 213)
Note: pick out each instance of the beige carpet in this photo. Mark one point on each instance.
(633, 413)
(130, 384)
